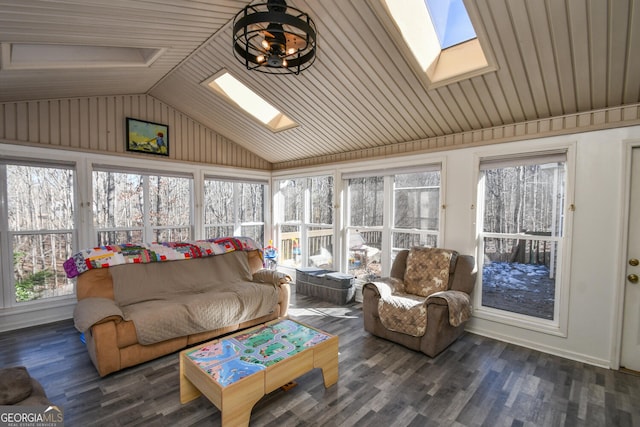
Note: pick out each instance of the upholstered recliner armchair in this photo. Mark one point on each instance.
(425, 302)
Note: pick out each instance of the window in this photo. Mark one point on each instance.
(141, 207)
(412, 200)
(451, 22)
(439, 36)
(40, 226)
(233, 208)
(236, 92)
(305, 222)
(416, 209)
(521, 240)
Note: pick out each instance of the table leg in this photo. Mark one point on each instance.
(326, 358)
(239, 399)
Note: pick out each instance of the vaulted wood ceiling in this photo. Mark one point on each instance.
(553, 57)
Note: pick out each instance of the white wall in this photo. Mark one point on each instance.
(589, 325)
(595, 240)
(596, 266)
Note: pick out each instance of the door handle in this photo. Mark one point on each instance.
(633, 278)
(634, 262)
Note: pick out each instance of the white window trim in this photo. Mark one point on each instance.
(387, 229)
(237, 224)
(22, 156)
(558, 326)
(304, 225)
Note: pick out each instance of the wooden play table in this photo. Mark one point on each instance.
(235, 372)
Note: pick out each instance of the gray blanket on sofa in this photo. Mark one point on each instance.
(174, 299)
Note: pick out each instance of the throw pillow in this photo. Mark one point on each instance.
(15, 385)
(428, 270)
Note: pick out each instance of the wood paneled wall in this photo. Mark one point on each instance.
(98, 124)
(628, 115)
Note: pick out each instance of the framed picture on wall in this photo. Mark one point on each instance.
(147, 137)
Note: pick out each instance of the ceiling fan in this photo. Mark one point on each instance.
(268, 39)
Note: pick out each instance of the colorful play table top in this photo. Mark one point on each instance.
(231, 359)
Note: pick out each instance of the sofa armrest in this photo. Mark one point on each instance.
(91, 311)
(458, 304)
(272, 277)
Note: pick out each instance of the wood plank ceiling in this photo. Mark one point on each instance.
(553, 57)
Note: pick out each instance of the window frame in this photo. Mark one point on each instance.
(304, 225)
(388, 228)
(236, 223)
(559, 325)
(148, 230)
(7, 278)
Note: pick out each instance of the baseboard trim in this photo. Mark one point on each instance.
(26, 318)
(578, 357)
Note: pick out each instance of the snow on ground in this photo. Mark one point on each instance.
(519, 288)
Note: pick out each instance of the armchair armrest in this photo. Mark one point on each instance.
(90, 311)
(458, 303)
(385, 286)
(271, 277)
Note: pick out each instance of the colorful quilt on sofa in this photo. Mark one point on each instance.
(135, 253)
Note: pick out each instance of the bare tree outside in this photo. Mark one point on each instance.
(234, 208)
(522, 225)
(130, 207)
(41, 215)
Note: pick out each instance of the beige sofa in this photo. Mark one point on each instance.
(133, 313)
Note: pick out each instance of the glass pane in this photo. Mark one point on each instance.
(172, 234)
(215, 231)
(409, 240)
(251, 202)
(119, 237)
(289, 250)
(321, 191)
(40, 198)
(320, 247)
(117, 200)
(366, 201)
(170, 201)
(417, 200)
(451, 22)
(524, 199)
(256, 232)
(218, 203)
(364, 253)
(293, 199)
(518, 275)
(37, 261)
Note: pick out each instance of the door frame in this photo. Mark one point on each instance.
(616, 342)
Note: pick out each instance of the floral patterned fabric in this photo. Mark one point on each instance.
(142, 253)
(404, 313)
(402, 306)
(428, 270)
(459, 306)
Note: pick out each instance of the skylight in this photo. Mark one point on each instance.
(234, 90)
(34, 56)
(440, 36)
(451, 21)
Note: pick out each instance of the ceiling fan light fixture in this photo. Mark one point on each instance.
(274, 38)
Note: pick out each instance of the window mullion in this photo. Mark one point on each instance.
(146, 209)
(5, 268)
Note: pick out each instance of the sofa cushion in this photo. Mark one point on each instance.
(15, 385)
(134, 283)
(428, 270)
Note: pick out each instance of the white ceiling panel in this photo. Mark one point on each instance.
(553, 58)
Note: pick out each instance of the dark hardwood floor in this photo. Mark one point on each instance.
(476, 382)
